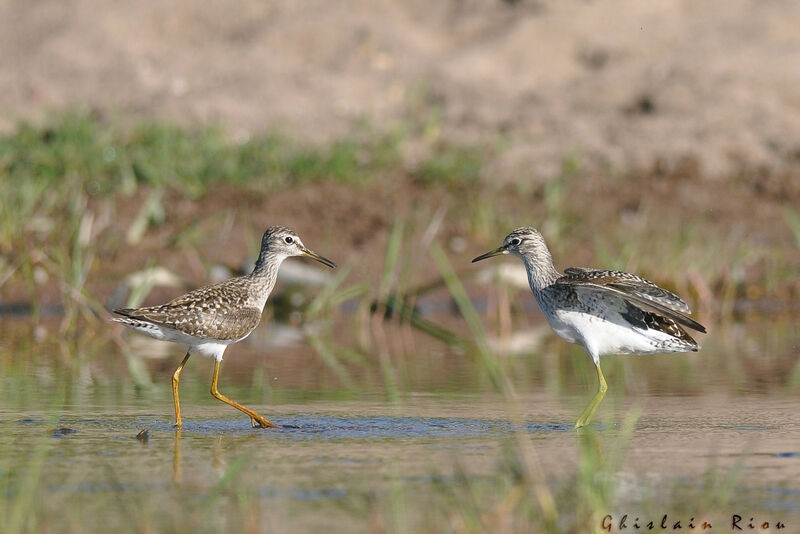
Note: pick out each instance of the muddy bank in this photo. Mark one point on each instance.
(625, 85)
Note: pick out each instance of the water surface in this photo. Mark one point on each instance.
(711, 437)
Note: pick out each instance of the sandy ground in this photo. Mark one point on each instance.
(625, 84)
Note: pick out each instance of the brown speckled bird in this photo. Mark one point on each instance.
(205, 321)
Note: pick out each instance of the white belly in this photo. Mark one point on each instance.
(211, 348)
(601, 337)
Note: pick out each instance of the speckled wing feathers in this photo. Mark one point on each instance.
(650, 320)
(628, 283)
(220, 311)
(635, 290)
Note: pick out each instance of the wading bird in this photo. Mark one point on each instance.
(205, 321)
(606, 312)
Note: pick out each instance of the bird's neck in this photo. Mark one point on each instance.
(541, 271)
(265, 274)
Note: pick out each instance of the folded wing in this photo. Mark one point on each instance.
(634, 290)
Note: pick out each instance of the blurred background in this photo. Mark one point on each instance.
(145, 147)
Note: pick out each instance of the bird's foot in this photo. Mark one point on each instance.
(261, 422)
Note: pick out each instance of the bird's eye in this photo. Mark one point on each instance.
(288, 240)
(515, 242)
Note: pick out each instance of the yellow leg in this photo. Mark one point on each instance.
(587, 414)
(175, 379)
(254, 417)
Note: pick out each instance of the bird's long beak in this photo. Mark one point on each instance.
(496, 252)
(322, 259)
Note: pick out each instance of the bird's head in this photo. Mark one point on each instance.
(521, 242)
(282, 241)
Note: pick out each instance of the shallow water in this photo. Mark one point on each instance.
(707, 439)
(326, 455)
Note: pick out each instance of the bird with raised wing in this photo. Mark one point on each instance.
(205, 321)
(606, 312)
